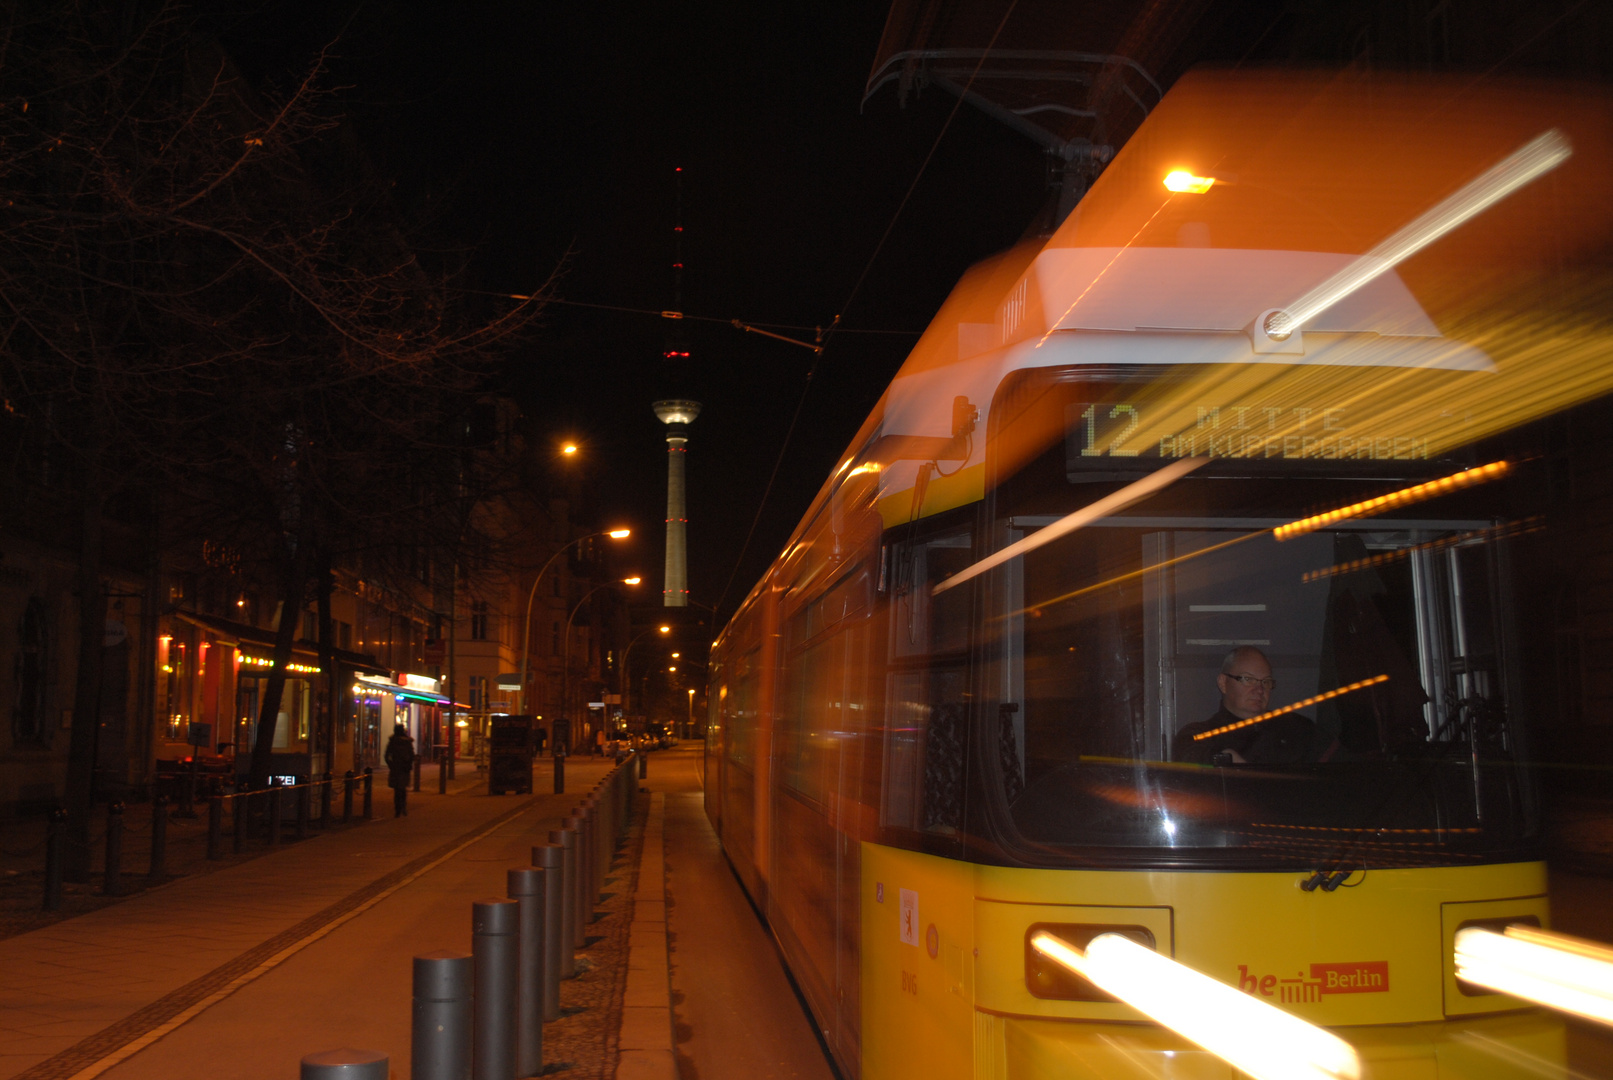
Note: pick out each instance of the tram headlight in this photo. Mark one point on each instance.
(1554, 970)
(1248, 1034)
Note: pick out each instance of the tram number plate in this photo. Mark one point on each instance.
(910, 983)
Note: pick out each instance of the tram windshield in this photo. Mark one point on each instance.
(1176, 681)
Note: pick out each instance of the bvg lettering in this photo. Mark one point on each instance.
(910, 983)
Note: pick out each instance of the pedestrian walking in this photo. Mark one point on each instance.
(400, 766)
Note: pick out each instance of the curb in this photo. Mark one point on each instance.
(645, 1042)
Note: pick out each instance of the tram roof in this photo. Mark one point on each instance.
(1311, 171)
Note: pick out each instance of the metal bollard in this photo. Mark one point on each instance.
(525, 886)
(159, 840)
(417, 772)
(215, 827)
(114, 849)
(54, 839)
(552, 859)
(566, 840)
(369, 793)
(303, 792)
(274, 815)
(494, 932)
(443, 766)
(240, 816)
(324, 800)
(643, 764)
(347, 798)
(345, 1065)
(580, 907)
(597, 861)
(439, 1040)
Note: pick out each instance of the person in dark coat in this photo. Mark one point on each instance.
(399, 764)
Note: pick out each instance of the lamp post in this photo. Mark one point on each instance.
(526, 632)
(688, 729)
(625, 679)
(565, 663)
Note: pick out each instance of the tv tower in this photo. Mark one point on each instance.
(677, 414)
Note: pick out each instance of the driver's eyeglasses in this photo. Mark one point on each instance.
(1249, 680)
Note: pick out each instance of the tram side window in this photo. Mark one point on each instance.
(927, 695)
(739, 709)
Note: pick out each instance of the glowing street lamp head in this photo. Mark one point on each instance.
(1185, 183)
(676, 655)
(619, 534)
(569, 449)
(631, 580)
(666, 629)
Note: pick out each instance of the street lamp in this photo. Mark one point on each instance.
(625, 679)
(688, 730)
(565, 663)
(526, 632)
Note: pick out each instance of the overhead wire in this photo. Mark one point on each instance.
(825, 333)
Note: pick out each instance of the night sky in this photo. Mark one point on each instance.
(528, 140)
(531, 140)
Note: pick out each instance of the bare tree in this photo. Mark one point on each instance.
(205, 303)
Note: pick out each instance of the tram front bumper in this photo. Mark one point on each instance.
(1514, 1046)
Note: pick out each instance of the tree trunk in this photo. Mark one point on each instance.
(87, 687)
(331, 694)
(285, 636)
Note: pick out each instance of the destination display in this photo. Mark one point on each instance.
(1276, 431)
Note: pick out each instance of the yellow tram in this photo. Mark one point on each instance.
(969, 699)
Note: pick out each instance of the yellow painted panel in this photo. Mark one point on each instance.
(963, 1013)
(1367, 954)
(944, 493)
(918, 1009)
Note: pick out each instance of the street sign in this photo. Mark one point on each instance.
(435, 651)
(508, 681)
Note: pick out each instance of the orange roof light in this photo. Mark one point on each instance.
(1185, 183)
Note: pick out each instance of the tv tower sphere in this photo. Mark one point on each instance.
(677, 415)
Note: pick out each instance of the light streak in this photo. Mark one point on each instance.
(1329, 696)
(1109, 504)
(1251, 1035)
(1495, 532)
(1555, 970)
(1527, 163)
(1404, 497)
(1185, 183)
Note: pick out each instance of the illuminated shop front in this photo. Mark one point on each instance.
(415, 701)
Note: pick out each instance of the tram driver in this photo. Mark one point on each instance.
(1246, 684)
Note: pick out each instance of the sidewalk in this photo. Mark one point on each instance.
(83, 995)
(22, 850)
